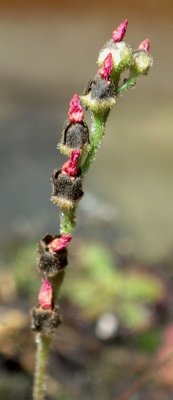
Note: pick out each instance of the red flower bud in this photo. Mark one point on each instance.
(145, 45)
(76, 113)
(70, 167)
(60, 243)
(106, 68)
(45, 295)
(118, 33)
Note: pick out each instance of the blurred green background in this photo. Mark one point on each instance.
(122, 256)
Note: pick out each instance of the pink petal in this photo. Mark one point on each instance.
(60, 243)
(145, 45)
(106, 68)
(118, 33)
(70, 167)
(76, 113)
(45, 295)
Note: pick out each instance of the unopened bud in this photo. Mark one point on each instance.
(142, 62)
(60, 243)
(119, 32)
(145, 45)
(106, 68)
(45, 295)
(121, 55)
(76, 112)
(71, 166)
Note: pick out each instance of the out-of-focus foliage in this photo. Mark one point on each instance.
(19, 270)
(20, 385)
(97, 286)
(149, 340)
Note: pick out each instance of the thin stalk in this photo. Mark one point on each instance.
(42, 352)
(68, 217)
(67, 221)
(97, 132)
(43, 343)
(57, 283)
(131, 82)
(41, 364)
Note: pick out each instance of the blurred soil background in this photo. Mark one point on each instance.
(117, 300)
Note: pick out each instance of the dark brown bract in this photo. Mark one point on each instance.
(100, 89)
(45, 321)
(50, 262)
(67, 190)
(74, 136)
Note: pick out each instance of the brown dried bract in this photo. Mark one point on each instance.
(50, 262)
(45, 321)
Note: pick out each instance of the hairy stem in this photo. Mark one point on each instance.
(97, 132)
(131, 82)
(57, 283)
(67, 221)
(68, 217)
(41, 364)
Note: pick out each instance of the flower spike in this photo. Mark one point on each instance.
(45, 295)
(60, 243)
(76, 112)
(99, 97)
(106, 68)
(119, 33)
(145, 45)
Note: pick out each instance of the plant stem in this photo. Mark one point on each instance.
(131, 82)
(67, 221)
(42, 353)
(41, 364)
(68, 217)
(97, 130)
(57, 283)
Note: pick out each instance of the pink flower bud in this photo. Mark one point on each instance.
(118, 33)
(70, 167)
(145, 45)
(76, 113)
(60, 243)
(45, 295)
(106, 68)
